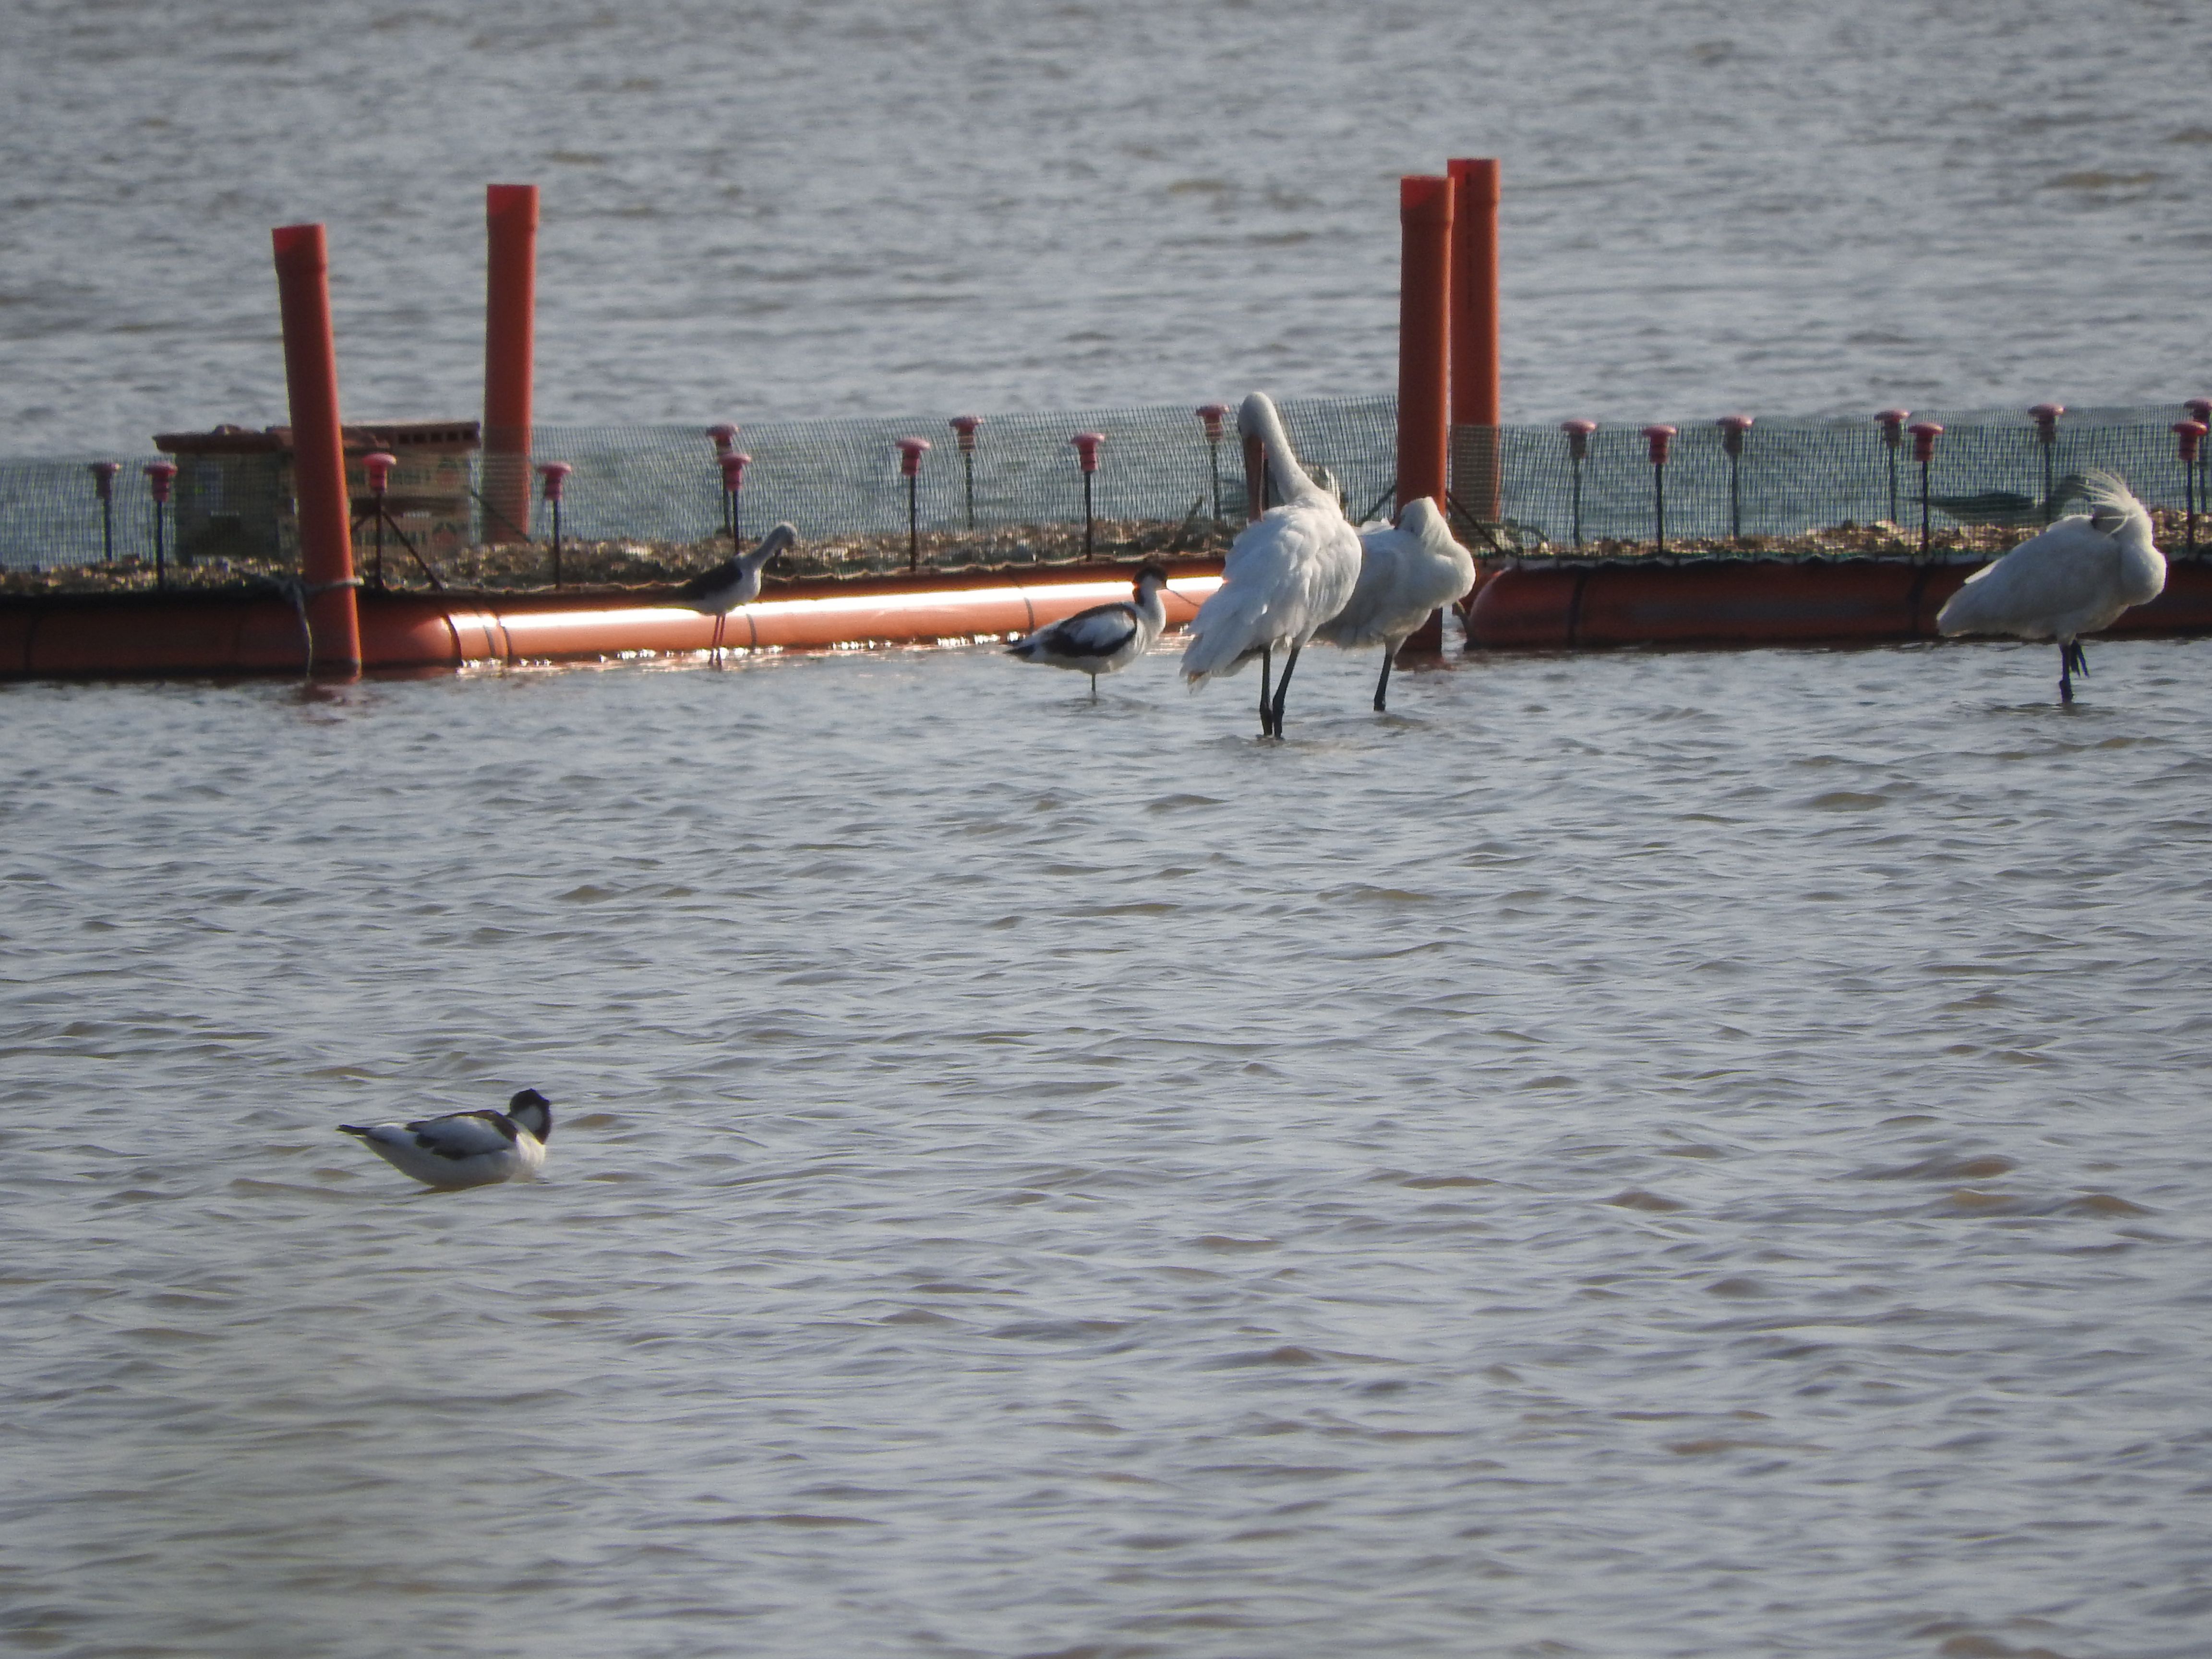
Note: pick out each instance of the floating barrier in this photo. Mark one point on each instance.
(227, 632)
(1564, 606)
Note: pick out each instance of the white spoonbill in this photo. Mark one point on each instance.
(2073, 579)
(1406, 572)
(1288, 571)
(465, 1149)
(1106, 638)
(735, 581)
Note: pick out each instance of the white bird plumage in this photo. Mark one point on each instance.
(1287, 572)
(1106, 638)
(735, 581)
(465, 1149)
(2074, 578)
(1406, 571)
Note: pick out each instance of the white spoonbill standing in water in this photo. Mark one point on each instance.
(2073, 579)
(1406, 572)
(735, 581)
(465, 1149)
(1106, 638)
(1288, 571)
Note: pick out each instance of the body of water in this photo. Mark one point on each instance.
(1670, 1155)
(763, 211)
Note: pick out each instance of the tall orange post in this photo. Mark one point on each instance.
(1424, 218)
(1474, 373)
(510, 346)
(310, 377)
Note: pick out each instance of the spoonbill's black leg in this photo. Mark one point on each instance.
(1383, 685)
(2069, 659)
(1283, 687)
(1266, 709)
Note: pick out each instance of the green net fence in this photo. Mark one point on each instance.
(840, 483)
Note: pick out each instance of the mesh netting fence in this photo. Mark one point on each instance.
(840, 483)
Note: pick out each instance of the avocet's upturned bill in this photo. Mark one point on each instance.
(735, 581)
(465, 1149)
(2073, 579)
(1106, 638)
(1405, 573)
(1288, 571)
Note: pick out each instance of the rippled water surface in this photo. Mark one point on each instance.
(1670, 1155)
(755, 211)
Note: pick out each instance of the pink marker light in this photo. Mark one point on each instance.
(733, 470)
(103, 478)
(911, 450)
(159, 476)
(725, 437)
(2191, 433)
(1578, 436)
(1733, 427)
(1893, 425)
(1925, 435)
(377, 468)
(2046, 421)
(1086, 448)
(554, 475)
(964, 426)
(1211, 416)
(1656, 438)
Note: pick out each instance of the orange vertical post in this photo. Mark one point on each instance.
(1474, 373)
(1424, 218)
(311, 379)
(510, 347)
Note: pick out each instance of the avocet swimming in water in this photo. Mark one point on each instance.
(1106, 638)
(2073, 579)
(465, 1149)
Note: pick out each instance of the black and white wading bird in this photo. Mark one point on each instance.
(1406, 571)
(2073, 579)
(1106, 638)
(1288, 571)
(735, 581)
(465, 1149)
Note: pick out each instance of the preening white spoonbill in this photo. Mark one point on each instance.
(735, 581)
(465, 1149)
(1288, 571)
(2073, 579)
(1106, 638)
(1406, 572)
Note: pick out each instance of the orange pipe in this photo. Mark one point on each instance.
(1424, 217)
(311, 378)
(510, 350)
(1475, 380)
(1719, 603)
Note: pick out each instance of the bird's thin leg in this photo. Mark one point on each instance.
(1266, 709)
(1094, 688)
(721, 622)
(1383, 685)
(1283, 687)
(2065, 673)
